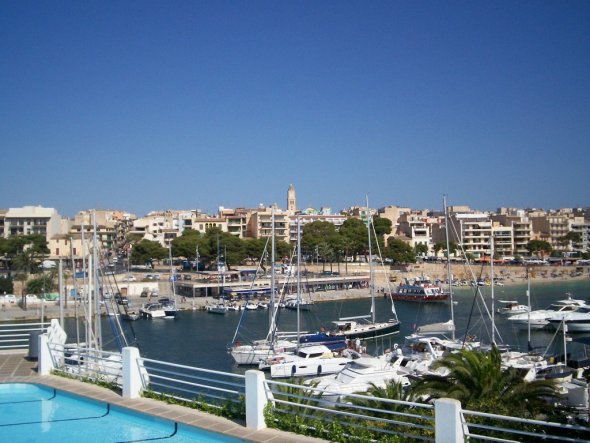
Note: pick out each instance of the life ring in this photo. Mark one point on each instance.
(395, 346)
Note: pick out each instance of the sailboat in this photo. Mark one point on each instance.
(169, 304)
(308, 359)
(369, 328)
(254, 352)
(431, 341)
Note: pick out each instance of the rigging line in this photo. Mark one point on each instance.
(116, 286)
(258, 267)
(385, 273)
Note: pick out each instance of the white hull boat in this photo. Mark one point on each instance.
(359, 375)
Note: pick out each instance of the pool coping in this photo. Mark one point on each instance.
(179, 414)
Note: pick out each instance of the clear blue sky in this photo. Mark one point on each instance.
(144, 105)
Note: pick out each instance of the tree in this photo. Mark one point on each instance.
(539, 247)
(439, 246)
(421, 249)
(321, 237)
(6, 285)
(399, 251)
(354, 233)
(146, 251)
(571, 237)
(186, 244)
(477, 380)
(42, 284)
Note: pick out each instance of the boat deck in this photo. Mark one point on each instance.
(16, 368)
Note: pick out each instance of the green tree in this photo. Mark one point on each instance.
(571, 237)
(399, 251)
(539, 247)
(186, 244)
(439, 246)
(421, 249)
(43, 284)
(6, 285)
(146, 251)
(354, 233)
(477, 380)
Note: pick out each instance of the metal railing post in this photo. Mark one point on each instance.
(448, 421)
(132, 380)
(255, 400)
(45, 358)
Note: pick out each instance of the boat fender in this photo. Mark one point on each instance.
(319, 370)
(293, 369)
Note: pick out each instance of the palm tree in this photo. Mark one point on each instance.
(477, 380)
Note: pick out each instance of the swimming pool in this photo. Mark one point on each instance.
(33, 413)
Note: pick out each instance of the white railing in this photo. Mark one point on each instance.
(15, 336)
(84, 362)
(301, 408)
(190, 384)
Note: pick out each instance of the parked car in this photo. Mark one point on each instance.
(8, 299)
(131, 278)
(121, 299)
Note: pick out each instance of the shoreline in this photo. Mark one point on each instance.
(508, 275)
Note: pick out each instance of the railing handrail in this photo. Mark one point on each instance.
(209, 371)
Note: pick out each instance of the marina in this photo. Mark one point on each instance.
(200, 339)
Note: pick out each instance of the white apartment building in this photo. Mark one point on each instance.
(260, 224)
(31, 220)
(417, 228)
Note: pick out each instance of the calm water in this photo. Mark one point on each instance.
(200, 339)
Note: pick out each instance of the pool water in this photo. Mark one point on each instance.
(35, 413)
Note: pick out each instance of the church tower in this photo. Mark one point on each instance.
(291, 206)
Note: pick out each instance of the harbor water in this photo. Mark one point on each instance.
(201, 339)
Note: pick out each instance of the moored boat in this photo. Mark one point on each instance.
(420, 290)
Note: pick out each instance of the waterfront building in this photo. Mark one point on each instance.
(31, 220)
(393, 214)
(522, 228)
(260, 224)
(416, 227)
(237, 220)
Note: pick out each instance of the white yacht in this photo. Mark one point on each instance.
(512, 307)
(540, 318)
(308, 361)
(577, 321)
(152, 310)
(359, 375)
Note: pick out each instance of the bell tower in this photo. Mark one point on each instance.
(291, 205)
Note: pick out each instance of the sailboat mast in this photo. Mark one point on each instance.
(272, 272)
(97, 289)
(298, 276)
(528, 298)
(371, 284)
(449, 274)
(492, 283)
(172, 275)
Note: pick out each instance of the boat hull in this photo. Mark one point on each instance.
(373, 331)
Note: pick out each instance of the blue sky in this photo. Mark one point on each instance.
(146, 105)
